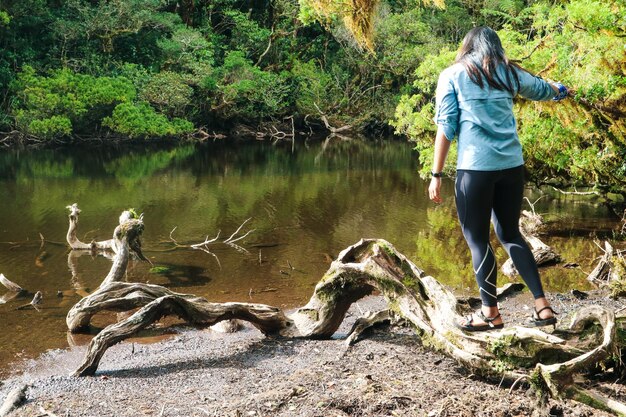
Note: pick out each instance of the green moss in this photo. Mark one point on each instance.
(453, 338)
(514, 352)
(432, 342)
(133, 213)
(160, 269)
(538, 383)
(311, 313)
(410, 282)
(389, 286)
(386, 248)
(394, 306)
(500, 346)
(500, 366)
(583, 397)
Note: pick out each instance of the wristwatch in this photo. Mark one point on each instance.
(436, 174)
(562, 92)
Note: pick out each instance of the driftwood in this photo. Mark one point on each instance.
(367, 321)
(548, 361)
(15, 397)
(530, 225)
(10, 285)
(610, 271)
(37, 298)
(204, 245)
(14, 290)
(75, 243)
(605, 270)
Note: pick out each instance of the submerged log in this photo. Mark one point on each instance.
(371, 265)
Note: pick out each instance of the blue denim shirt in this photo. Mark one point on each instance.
(482, 118)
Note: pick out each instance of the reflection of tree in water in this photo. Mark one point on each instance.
(132, 167)
(77, 280)
(440, 247)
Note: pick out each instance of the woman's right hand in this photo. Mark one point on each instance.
(434, 190)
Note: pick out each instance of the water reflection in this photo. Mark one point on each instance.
(306, 204)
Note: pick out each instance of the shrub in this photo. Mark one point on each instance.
(168, 92)
(66, 102)
(141, 120)
(248, 92)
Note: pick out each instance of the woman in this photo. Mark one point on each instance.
(475, 102)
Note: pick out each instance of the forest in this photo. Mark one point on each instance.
(148, 69)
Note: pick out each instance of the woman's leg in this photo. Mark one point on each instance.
(474, 198)
(507, 204)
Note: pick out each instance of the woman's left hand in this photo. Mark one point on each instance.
(434, 190)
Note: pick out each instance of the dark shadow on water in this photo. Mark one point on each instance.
(180, 275)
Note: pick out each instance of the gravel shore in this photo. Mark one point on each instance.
(205, 373)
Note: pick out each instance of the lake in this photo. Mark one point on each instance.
(305, 204)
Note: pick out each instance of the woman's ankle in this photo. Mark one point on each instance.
(489, 311)
(543, 305)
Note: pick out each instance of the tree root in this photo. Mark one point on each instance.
(365, 322)
(371, 265)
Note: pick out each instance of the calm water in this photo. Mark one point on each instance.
(305, 204)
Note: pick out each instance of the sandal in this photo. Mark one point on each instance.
(537, 321)
(469, 327)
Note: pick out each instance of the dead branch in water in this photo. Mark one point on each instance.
(230, 241)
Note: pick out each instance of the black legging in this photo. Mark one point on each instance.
(481, 195)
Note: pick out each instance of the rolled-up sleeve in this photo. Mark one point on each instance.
(446, 107)
(534, 88)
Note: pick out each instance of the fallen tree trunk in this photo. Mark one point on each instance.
(371, 265)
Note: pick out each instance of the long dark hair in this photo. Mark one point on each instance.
(481, 54)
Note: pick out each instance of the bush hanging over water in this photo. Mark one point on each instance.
(141, 120)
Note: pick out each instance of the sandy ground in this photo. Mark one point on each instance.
(205, 373)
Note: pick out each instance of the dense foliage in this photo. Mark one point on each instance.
(581, 43)
(164, 68)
